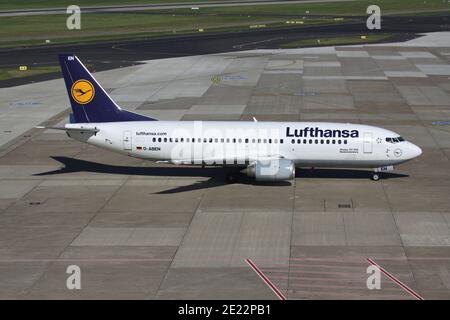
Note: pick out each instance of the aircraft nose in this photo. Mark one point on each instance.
(415, 151)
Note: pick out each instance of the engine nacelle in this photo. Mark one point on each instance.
(271, 170)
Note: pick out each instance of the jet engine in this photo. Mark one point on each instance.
(271, 170)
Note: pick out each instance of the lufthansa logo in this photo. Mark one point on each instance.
(82, 91)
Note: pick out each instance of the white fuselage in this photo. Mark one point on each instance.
(308, 144)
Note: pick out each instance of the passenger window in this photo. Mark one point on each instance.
(310, 141)
(216, 140)
(281, 141)
(181, 139)
(246, 140)
(339, 141)
(316, 141)
(328, 141)
(275, 140)
(333, 141)
(265, 140)
(253, 140)
(154, 139)
(222, 140)
(176, 139)
(165, 139)
(321, 141)
(345, 141)
(228, 140)
(270, 140)
(159, 139)
(259, 140)
(234, 140)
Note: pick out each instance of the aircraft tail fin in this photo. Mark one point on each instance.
(89, 101)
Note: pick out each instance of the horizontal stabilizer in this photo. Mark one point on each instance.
(84, 129)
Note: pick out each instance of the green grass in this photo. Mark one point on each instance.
(9, 73)
(335, 41)
(351, 8)
(34, 30)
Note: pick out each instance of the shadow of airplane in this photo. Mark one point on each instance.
(216, 175)
(344, 174)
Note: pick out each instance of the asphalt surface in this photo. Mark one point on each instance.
(113, 54)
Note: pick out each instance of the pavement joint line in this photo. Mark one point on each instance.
(294, 193)
(197, 209)
(28, 290)
(30, 134)
(265, 279)
(383, 187)
(398, 282)
(81, 260)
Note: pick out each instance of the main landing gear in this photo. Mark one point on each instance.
(230, 177)
(232, 174)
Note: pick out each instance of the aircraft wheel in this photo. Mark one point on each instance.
(375, 176)
(230, 178)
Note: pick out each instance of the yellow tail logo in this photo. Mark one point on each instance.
(82, 91)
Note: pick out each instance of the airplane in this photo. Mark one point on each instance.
(263, 150)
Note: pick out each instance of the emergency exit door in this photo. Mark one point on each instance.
(127, 140)
(367, 142)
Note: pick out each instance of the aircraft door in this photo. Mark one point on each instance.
(367, 142)
(127, 140)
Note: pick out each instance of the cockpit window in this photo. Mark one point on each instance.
(395, 140)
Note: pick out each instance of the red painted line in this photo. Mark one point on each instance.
(349, 287)
(309, 272)
(265, 279)
(401, 284)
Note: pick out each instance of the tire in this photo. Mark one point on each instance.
(375, 176)
(230, 178)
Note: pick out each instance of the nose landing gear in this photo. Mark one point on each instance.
(377, 173)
